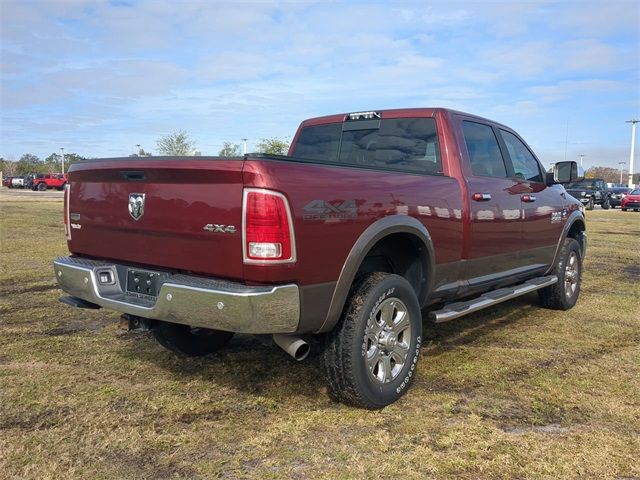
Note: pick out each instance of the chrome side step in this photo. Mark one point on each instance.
(459, 309)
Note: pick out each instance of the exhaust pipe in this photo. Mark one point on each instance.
(294, 346)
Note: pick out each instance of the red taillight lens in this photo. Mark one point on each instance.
(268, 234)
(67, 201)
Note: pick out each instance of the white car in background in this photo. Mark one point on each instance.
(17, 182)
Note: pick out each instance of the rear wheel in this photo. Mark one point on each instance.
(42, 187)
(564, 294)
(370, 357)
(606, 204)
(623, 209)
(192, 342)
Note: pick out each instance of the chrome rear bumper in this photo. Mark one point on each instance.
(186, 299)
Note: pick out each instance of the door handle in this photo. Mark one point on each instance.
(528, 198)
(481, 197)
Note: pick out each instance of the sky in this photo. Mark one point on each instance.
(99, 77)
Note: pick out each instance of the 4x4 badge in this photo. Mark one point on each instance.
(136, 205)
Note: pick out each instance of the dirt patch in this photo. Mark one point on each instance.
(76, 326)
(209, 415)
(552, 429)
(48, 418)
(632, 271)
(11, 287)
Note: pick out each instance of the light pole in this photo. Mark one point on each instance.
(62, 150)
(633, 144)
(621, 164)
(244, 145)
(138, 146)
(582, 155)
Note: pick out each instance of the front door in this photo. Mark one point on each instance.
(543, 210)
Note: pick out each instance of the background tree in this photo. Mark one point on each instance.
(29, 163)
(53, 163)
(141, 153)
(8, 167)
(610, 175)
(230, 149)
(273, 146)
(177, 144)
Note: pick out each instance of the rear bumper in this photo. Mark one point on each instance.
(185, 299)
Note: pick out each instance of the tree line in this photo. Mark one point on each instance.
(174, 144)
(611, 175)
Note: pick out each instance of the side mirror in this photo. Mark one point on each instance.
(566, 172)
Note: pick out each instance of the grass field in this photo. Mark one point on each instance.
(512, 392)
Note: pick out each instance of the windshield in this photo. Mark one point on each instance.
(409, 144)
(584, 184)
(635, 192)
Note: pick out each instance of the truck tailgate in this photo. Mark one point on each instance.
(182, 200)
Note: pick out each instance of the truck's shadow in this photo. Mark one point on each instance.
(255, 365)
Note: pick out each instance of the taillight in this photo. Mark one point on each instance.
(67, 223)
(267, 227)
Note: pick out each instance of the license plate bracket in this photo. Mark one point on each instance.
(143, 283)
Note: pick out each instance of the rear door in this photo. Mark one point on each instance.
(495, 208)
(542, 206)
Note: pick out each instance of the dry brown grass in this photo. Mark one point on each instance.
(514, 391)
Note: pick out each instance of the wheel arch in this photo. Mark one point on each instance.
(576, 228)
(381, 237)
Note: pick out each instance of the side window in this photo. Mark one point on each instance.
(525, 165)
(484, 153)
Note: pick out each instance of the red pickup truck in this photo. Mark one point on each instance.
(373, 219)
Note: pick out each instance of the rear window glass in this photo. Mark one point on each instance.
(406, 144)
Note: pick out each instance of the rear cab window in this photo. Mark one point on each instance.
(402, 144)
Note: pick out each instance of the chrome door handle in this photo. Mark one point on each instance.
(481, 197)
(528, 198)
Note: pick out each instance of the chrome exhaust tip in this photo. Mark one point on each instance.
(294, 346)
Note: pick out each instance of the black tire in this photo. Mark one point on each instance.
(346, 348)
(42, 187)
(184, 340)
(561, 296)
(606, 204)
(60, 188)
(623, 209)
(591, 204)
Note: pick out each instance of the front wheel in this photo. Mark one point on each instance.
(606, 204)
(192, 342)
(564, 294)
(371, 356)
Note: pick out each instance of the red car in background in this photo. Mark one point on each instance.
(631, 201)
(49, 180)
(7, 182)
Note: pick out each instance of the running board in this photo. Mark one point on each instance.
(459, 309)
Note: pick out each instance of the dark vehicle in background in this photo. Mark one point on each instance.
(372, 218)
(43, 181)
(28, 180)
(631, 201)
(617, 194)
(591, 192)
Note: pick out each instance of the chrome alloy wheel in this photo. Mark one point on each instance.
(571, 275)
(387, 339)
